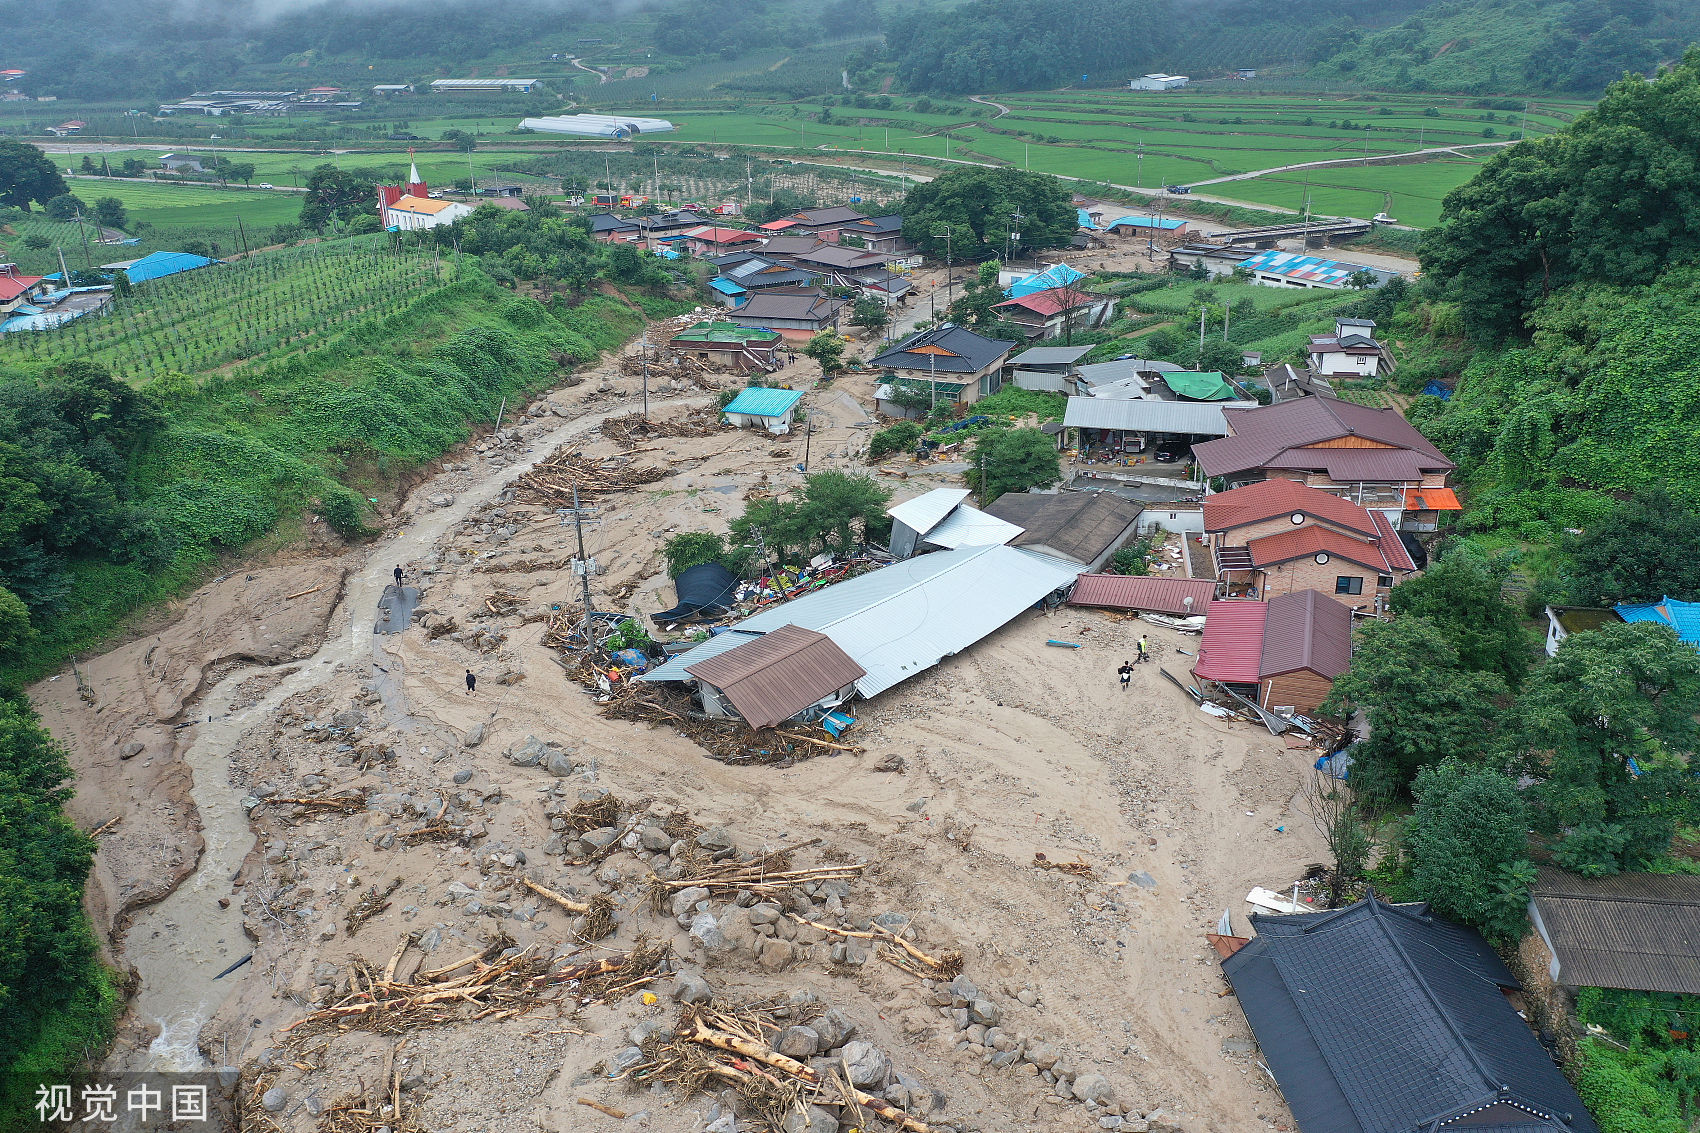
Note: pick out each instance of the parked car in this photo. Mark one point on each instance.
(1177, 188)
(264, 185)
(1173, 453)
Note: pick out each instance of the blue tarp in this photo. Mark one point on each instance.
(156, 265)
(836, 722)
(1057, 275)
(1435, 389)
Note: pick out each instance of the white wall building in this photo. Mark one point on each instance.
(1158, 82)
(408, 213)
(619, 127)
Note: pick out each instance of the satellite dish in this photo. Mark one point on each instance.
(1187, 601)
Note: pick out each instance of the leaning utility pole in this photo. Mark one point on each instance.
(583, 568)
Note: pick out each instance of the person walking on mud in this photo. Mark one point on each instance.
(471, 683)
(1126, 674)
(398, 578)
(1144, 650)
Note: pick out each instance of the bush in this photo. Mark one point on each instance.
(346, 513)
(900, 437)
(693, 548)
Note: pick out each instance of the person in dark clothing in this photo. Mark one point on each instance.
(398, 578)
(471, 682)
(1126, 674)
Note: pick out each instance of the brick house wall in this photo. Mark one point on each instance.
(1307, 574)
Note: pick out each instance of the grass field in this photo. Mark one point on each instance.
(168, 205)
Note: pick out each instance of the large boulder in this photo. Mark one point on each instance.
(869, 1066)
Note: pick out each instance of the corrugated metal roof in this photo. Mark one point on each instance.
(1264, 434)
(927, 511)
(1232, 648)
(1057, 275)
(1313, 539)
(971, 527)
(1638, 931)
(674, 669)
(1292, 265)
(1138, 592)
(158, 264)
(1167, 224)
(1267, 499)
(1138, 415)
(907, 617)
(1398, 557)
(1076, 525)
(774, 677)
(759, 402)
(1684, 617)
(1305, 630)
(1050, 356)
(1432, 499)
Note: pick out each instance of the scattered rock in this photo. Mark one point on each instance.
(688, 987)
(833, 1028)
(775, 955)
(558, 765)
(1094, 1087)
(715, 838)
(131, 750)
(463, 776)
(1143, 879)
(474, 735)
(686, 899)
(274, 1099)
(1044, 1055)
(813, 1120)
(868, 1065)
(529, 753)
(801, 1043)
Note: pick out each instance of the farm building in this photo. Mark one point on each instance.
(158, 265)
(1131, 225)
(1285, 652)
(738, 348)
(766, 679)
(798, 317)
(616, 126)
(1175, 597)
(484, 86)
(1158, 82)
(1117, 425)
(1049, 368)
(178, 162)
(1633, 931)
(771, 409)
(1276, 268)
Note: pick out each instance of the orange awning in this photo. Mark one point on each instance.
(1432, 499)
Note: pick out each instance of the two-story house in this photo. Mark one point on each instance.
(1350, 352)
(1372, 457)
(1280, 537)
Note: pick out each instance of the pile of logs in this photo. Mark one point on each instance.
(727, 740)
(632, 428)
(552, 482)
(766, 875)
(496, 982)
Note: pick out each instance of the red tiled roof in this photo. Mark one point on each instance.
(1232, 649)
(1266, 433)
(1052, 301)
(1130, 592)
(12, 286)
(777, 225)
(722, 235)
(1306, 630)
(1270, 498)
(1312, 539)
(1397, 556)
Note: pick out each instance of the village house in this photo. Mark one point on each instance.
(797, 316)
(662, 229)
(942, 520)
(1119, 430)
(1085, 528)
(1172, 597)
(1373, 457)
(18, 289)
(1279, 536)
(708, 240)
(947, 364)
(827, 223)
(1283, 653)
(754, 273)
(181, 162)
(730, 346)
(770, 409)
(1217, 260)
(879, 234)
(766, 679)
(1288, 382)
(1350, 352)
(1057, 311)
(1564, 621)
(1380, 1017)
(1050, 368)
(606, 228)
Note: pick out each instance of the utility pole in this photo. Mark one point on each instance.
(949, 278)
(933, 379)
(1202, 311)
(242, 234)
(583, 567)
(88, 260)
(1139, 164)
(808, 435)
(646, 381)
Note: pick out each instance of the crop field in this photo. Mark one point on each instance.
(1412, 193)
(172, 205)
(250, 309)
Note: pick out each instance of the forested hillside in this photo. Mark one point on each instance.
(1564, 293)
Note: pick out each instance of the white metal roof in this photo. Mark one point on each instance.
(971, 527)
(674, 669)
(907, 617)
(925, 512)
(1138, 415)
(1050, 355)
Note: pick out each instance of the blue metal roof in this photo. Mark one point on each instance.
(1684, 617)
(1057, 275)
(1167, 224)
(727, 287)
(1085, 219)
(758, 402)
(1294, 266)
(158, 264)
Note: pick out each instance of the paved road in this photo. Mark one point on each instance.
(1002, 109)
(1371, 159)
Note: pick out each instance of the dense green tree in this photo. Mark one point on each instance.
(1609, 728)
(827, 348)
(1611, 199)
(1421, 703)
(1468, 847)
(110, 212)
(336, 193)
(692, 548)
(27, 176)
(15, 629)
(977, 207)
(1219, 357)
(843, 505)
(462, 141)
(1645, 549)
(67, 206)
(869, 313)
(1460, 594)
(980, 293)
(1012, 460)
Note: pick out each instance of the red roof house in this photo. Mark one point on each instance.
(1282, 653)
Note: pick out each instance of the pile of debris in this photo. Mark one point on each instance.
(727, 740)
(552, 482)
(630, 429)
(675, 368)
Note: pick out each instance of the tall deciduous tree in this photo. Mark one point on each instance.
(27, 176)
(1611, 199)
(978, 206)
(1609, 728)
(1467, 841)
(1012, 460)
(338, 193)
(1460, 594)
(1646, 549)
(1422, 705)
